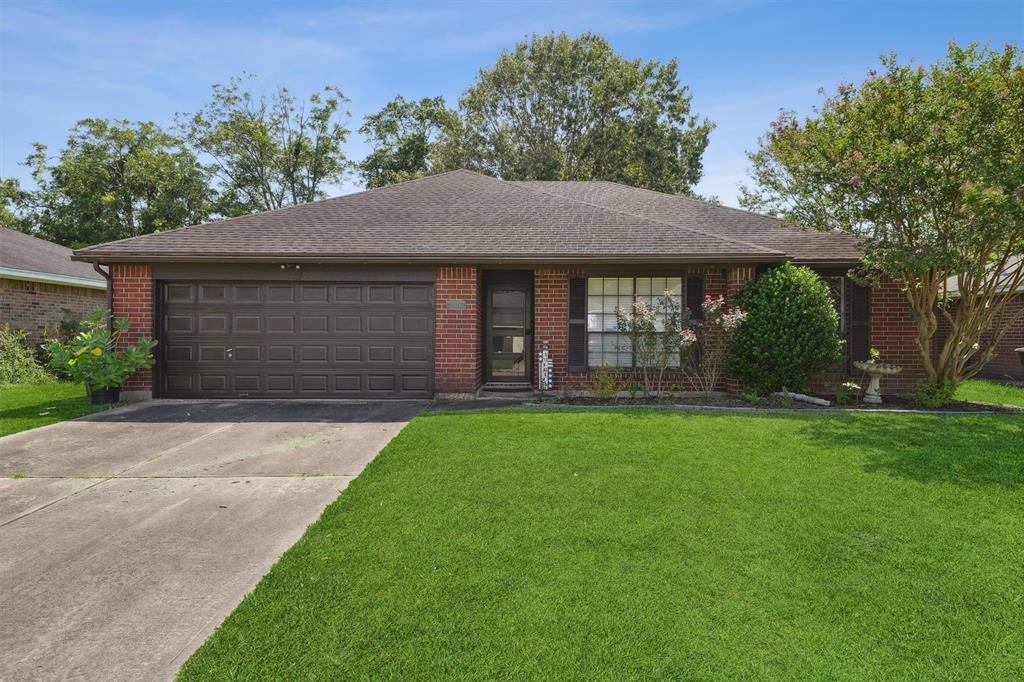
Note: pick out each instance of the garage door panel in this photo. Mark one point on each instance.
(297, 339)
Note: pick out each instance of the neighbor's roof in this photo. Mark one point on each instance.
(467, 217)
(1002, 283)
(25, 257)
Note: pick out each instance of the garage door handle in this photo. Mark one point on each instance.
(230, 352)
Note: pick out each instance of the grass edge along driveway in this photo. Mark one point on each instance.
(627, 544)
(29, 406)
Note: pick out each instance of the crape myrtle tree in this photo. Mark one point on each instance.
(926, 166)
(554, 107)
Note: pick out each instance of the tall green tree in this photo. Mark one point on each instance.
(410, 140)
(926, 166)
(269, 151)
(112, 180)
(555, 107)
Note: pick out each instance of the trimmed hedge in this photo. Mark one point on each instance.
(791, 330)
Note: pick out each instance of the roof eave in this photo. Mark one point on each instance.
(51, 278)
(483, 259)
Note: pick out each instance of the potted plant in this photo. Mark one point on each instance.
(92, 356)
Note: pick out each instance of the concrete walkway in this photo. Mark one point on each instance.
(126, 537)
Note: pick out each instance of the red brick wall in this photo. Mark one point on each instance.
(551, 318)
(1006, 364)
(893, 334)
(458, 356)
(133, 298)
(39, 307)
(718, 280)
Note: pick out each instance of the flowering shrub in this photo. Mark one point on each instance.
(656, 336)
(710, 340)
(791, 330)
(91, 356)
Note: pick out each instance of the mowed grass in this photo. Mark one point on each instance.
(990, 392)
(637, 544)
(28, 406)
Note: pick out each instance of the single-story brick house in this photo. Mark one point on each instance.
(449, 283)
(40, 286)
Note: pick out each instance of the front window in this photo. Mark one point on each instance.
(605, 346)
(837, 288)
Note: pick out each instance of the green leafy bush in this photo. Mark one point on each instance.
(791, 330)
(605, 385)
(17, 361)
(91, 356)
(932, 395)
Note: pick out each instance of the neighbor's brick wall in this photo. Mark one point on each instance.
(39, 307)
(133, 298)
(1006, 364)
(458, 355)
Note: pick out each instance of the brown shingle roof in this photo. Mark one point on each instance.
(19, 251)
(733, 223)
(457, 217)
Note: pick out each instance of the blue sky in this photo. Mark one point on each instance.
(60, 62)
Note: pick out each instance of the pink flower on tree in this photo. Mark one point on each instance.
(856, 181)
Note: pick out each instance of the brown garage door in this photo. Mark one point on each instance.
(296, 340)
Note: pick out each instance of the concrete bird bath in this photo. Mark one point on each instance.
(876, 370)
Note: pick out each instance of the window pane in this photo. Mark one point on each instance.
(675, 285)
(625, 302)
(610, 323)
(594, 323)
(593, 304)
(611, 286)
(657, 286)
(608, 304)
(643, 285)
(593, 345)
(595, 286)
(625, 285)
(624, 360)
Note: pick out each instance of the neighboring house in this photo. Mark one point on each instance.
(448, 283)
(1006, 364)
(40, 286)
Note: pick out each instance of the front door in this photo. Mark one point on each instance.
(509, 343)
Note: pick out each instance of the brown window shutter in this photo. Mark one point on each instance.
(695, 297)
(577, 338)
(860, 322)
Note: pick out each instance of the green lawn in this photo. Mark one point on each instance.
(632, 544)
(990, 392)
(29, 406)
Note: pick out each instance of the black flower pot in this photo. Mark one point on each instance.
(103, 396)
(1020, 354)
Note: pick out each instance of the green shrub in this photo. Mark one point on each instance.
(932, 395)
(17, 361)
(605, 385)
(92, 356)
(791, 330)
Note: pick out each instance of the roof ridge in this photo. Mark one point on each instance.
(522, 185)
(781, 222)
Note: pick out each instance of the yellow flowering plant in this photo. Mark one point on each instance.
(97, 355)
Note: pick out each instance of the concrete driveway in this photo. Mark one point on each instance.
(126, 537)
